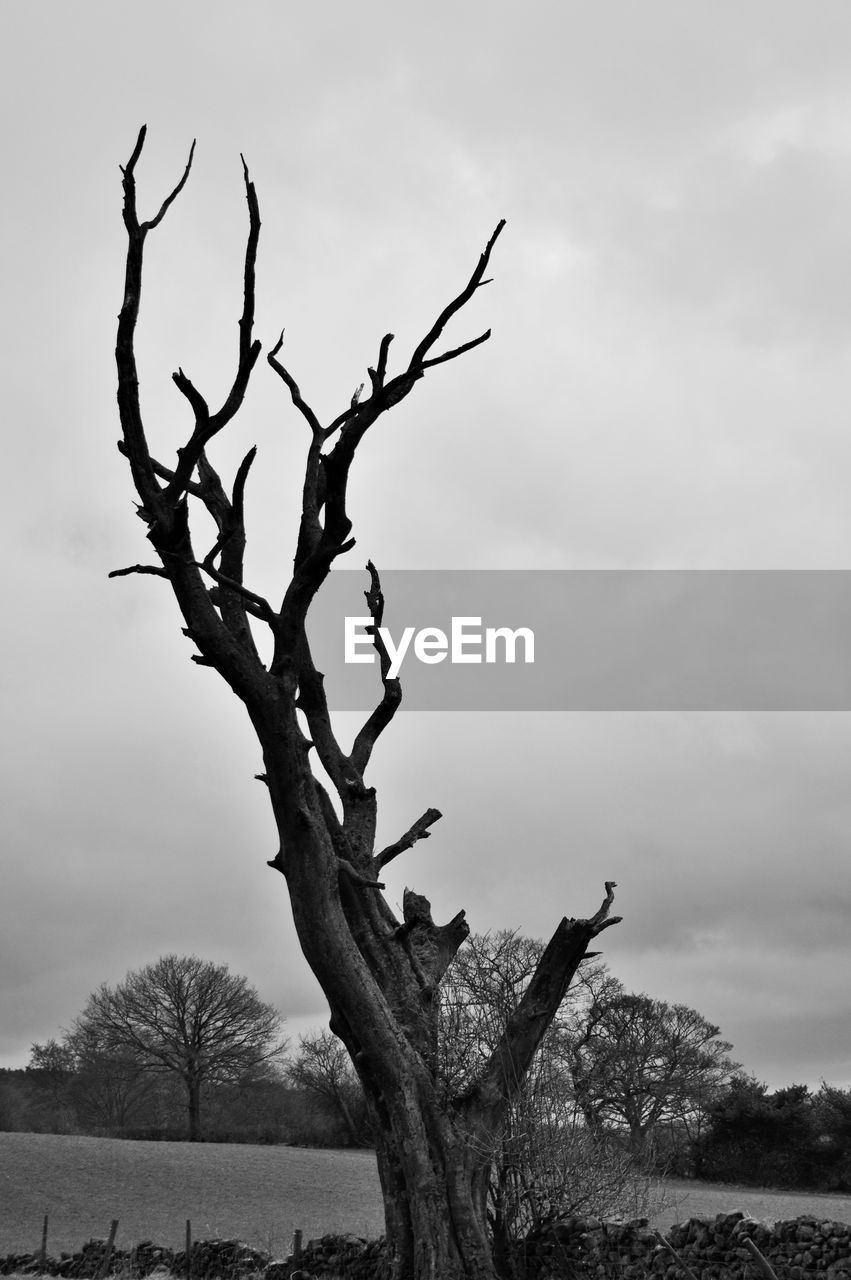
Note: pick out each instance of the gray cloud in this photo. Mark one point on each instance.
(665, 386)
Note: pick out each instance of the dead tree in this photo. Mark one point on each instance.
(379, 974)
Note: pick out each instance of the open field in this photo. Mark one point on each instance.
(258, 1194)
(705, 1199)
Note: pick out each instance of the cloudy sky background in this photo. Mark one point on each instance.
(666, 387)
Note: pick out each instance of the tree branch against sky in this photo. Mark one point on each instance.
(379, 974)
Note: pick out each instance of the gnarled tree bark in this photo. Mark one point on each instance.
(379, 974)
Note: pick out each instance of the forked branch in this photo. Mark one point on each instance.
(224, 637)
(208, 425)
(325, 524)
(418, 360)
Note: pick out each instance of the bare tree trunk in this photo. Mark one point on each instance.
(194, 1109)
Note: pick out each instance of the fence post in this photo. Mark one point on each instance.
(297, 1243)
(188, 1248)
(104, 1266)
(43, 1253)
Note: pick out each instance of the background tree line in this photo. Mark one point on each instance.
(624, 1086)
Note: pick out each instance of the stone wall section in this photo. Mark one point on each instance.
(576, 1249)
(712, 1248)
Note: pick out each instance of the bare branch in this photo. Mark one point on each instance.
(154, 569)
(513, 1053)
(601, 918)
(389, 705)
(240, 480)
(326, 484)
(125, 357)
(199, 405)
(230, 521)
(164, 473)
(355, 876)
(266, 612)
(164, 509)
(419, 831)
(155, 222)
(208, 425)
(476, 279)
(376, 375)
(457, 351)
(137, 151)
(314, 705)
(293, 388)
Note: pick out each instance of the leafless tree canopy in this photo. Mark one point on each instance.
(639, 1062)
(323, 1070)
(183, 1017)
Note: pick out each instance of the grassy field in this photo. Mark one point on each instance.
(705, 1199)
(258, 1194)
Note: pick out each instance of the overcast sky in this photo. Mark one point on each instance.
(667, 386)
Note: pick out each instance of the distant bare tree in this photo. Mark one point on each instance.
(323, 1069)
(50, 1073)
(379, 974)
(637, 1062)
(183, 1017)
(54, 1063)
(112, 1086)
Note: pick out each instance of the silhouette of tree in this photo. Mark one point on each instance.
(185, 1018)
(379, 974)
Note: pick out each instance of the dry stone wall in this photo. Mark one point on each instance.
(712, 1249)
(575, 1249)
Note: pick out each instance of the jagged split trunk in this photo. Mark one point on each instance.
(381, 978)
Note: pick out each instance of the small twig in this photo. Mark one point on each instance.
(277, 863)
(293, 388)
(457, 351)
(156, 570)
